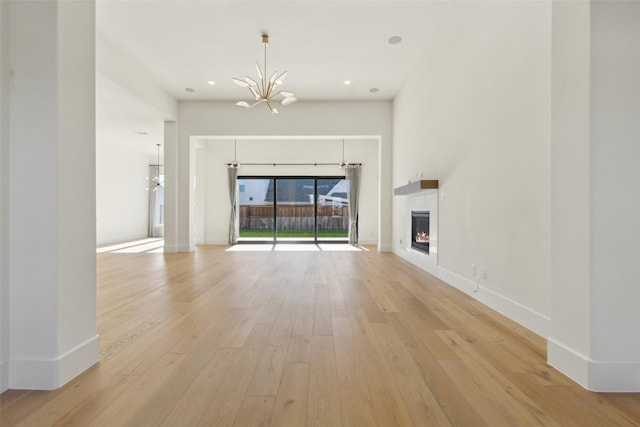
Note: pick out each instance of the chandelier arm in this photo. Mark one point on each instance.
(271, 86)
(256, 103)
(264, 75)
(255, 93)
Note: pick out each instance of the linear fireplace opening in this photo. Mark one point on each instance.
(420, 231)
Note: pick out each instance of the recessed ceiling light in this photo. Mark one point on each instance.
(211, 82)
(395, 40)
(347, 82)
(189, 89)
(374, 90)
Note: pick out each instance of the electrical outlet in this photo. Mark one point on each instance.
(473, 270)
(400, 241)
(484, 273)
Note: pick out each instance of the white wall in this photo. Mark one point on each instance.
(197, 119)
(4, 196)
(475, 115)
(122, 167)
(615, 190)
(51, 242)
(570, 329)
(118, 66)
(129, 101)
(596, 202)
(212, 191)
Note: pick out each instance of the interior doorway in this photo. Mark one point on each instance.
(293, 209)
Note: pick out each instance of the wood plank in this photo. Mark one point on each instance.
(196, 398)
(416, 395)
(266, 378)
(555, 402)
(127, 404)
(290, 408)
(493, 385)
(388, 403)
(256, 411)
(299, 350)
(355, 399)
(223, 409)
(324, 403)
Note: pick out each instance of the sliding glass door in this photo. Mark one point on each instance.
(256, 211)
(293, 209)
(333, 209)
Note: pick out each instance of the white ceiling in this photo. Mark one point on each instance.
(320, 43)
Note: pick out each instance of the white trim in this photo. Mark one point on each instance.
(78, 359)
(4, 376)
(515, 311)
(567, 361)
(419, 259)
(614, 376)
(53, 374)
(385, 247)
(366, 243)
(187, 247)
(593, 375)
(217, 242)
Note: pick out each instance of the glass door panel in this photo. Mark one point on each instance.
(256, 212)
(295, 209)
(333, 209)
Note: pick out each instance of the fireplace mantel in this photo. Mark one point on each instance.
(414, 187)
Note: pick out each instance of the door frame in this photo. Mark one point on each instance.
(275, 210)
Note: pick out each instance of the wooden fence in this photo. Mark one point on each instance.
(294, 217)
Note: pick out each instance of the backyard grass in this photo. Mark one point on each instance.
(293, 233)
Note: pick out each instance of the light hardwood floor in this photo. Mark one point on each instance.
(326, 338)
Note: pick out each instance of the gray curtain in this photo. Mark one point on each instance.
(352, 175)
(156, 202)
(233, 198)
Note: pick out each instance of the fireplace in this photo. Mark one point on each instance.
(420, 231)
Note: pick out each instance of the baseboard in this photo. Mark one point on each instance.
(569, 362)
(217, 242)
(515, 311)
(170, 249)
(614, 376)
(4, 376)
(383, 247)
(79, 359)
(186, 247)
(53, 374)
(594, 375)
(418, 259)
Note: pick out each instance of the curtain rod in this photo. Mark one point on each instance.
(294, 164)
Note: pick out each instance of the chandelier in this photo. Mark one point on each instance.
(157, 184)
(264, 90)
